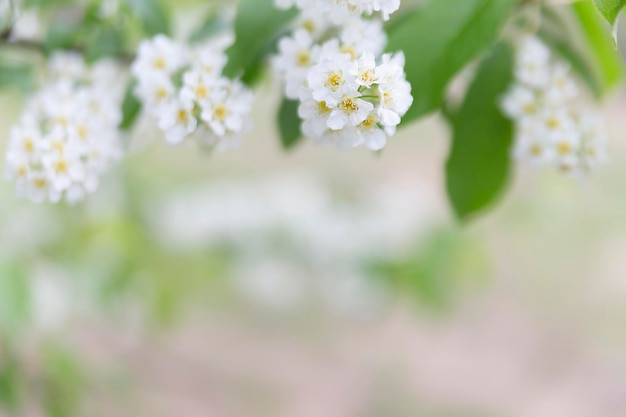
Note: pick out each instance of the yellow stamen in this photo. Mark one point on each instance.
(220, 112)
(159, 63)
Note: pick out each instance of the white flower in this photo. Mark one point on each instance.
(520, 101)
(66, 65)
(206, 107)
(159, 54)
(350, 111)
(25, 143)
(39, 189)
(227, 111)
(534, 148)
(533, 63)
(198, 86)
(562, 87)
(67, 125)
(346, 97)
(315, 115)
(18, 168)
(209, 61)
(330, 80)
(64, 168)
(177, 120)
(154, 90)
(364, 70)
(387, 7)
(556, 120)
(371, 133)
(296, 56)
(313, 21)
(339, 11)
(362, 36)
(395, 101)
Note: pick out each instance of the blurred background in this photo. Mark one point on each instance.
(256, 283)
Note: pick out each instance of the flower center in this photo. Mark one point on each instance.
(536, 149)
(159, 63)
(202, 92)
(553, 123)
(61, 167)
(161, 93)
(182, 116)
(564, 148)
(369, 123)
(323, 107)
(346, 49)
(368, 77)
(29, 146)
(83, 132)
(303, 58)
(334, 80)
(349, 105)
(220, 112)
(40, 183)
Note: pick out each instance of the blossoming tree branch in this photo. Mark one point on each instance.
(516, 80)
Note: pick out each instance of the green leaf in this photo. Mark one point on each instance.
(213, 25)
(14, 297)
(64, 383)
(609, 64)
(103, 41)
(478, 167)
(258, 27)
(10, 381)
(16, 76)
(152, 15)
(440, 39)
(62, 34)
(131, 108)
(610, 9)
(289, 124)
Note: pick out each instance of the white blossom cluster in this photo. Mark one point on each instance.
(338, 11)
(350, 93)
(553, 128)
(68, 136)
(183, 88)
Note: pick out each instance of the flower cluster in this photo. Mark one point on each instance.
(552, 129)
(350, 94)
(68, 136)
(183, 88)
(338, 11)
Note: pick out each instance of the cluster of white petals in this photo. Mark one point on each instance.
(350, 93)
(184, 89)
(553, 127)
(68, 136)
(339, 11)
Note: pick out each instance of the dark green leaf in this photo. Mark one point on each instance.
(289, 124)
(479, 163)
(10, 380)
(213, 25)
(440, 39)
(64, 383)
(103, 41)
(131, 108)
(62, 35)
(258, 27)
(610, 9)
(610, 68)
(152, 15)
